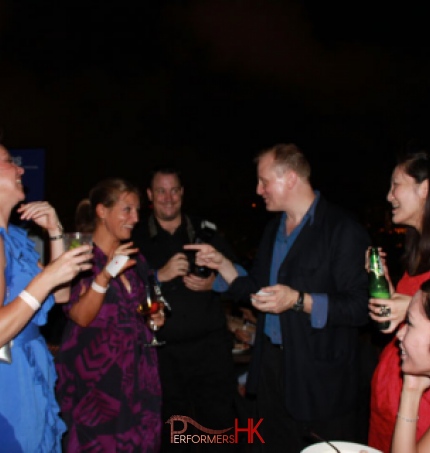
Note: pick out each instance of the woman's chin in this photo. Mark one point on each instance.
(126, 236)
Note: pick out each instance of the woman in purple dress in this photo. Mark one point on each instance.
(108, 385)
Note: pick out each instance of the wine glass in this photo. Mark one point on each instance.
(152, 304)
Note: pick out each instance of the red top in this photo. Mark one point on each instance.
(387, 384)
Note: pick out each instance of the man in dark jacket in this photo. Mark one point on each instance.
(309, 271)
(196, 364)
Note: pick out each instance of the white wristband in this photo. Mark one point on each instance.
(98, 288)
(30, 300)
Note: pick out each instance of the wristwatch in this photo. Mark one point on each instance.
(300, 302)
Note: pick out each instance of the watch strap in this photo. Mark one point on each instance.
(299, 305)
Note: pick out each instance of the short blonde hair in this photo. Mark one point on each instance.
(288, 156)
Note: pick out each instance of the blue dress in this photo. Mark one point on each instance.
(29, 420)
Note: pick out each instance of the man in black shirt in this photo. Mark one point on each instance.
(196, 364)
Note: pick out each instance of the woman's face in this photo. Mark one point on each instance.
(10, 178)
(120, 219)
(407, 198)
(414, 339)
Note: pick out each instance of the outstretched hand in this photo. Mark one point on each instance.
(206, 255)
(210, 257)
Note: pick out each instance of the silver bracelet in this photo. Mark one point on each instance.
(406, 419)
(98, 288)
(30, 300)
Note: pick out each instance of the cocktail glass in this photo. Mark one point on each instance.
(76, 239)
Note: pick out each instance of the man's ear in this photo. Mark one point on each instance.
(149, 194)
(291, 177)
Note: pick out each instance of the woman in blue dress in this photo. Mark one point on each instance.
(29, 420)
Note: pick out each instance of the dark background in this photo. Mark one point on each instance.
(111, 88)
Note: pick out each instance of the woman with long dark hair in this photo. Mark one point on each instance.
(410, 200)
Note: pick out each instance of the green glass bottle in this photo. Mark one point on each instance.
(378, 284)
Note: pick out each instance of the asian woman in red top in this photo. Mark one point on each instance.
(410, 200)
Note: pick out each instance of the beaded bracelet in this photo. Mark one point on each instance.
(98, 288)
(406, 419)
(30, 300)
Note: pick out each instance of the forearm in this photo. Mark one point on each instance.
(56, 242)
(85, 310)
(220, 285)
(15, 315)
(62, 295)
(404, 438)
(227, 270)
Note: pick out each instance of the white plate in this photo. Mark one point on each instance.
(344, 447)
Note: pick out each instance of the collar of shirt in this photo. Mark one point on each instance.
(310, 214)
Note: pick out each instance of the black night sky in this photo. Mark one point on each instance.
(112, 88)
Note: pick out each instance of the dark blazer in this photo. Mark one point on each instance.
(321, 365)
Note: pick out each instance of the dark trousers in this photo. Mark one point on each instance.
(198, 382)
(280, 431)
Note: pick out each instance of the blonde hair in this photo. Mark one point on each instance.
(288, 156)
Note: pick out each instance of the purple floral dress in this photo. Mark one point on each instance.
(108, 384)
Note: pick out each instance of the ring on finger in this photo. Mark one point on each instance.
(385, 311)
